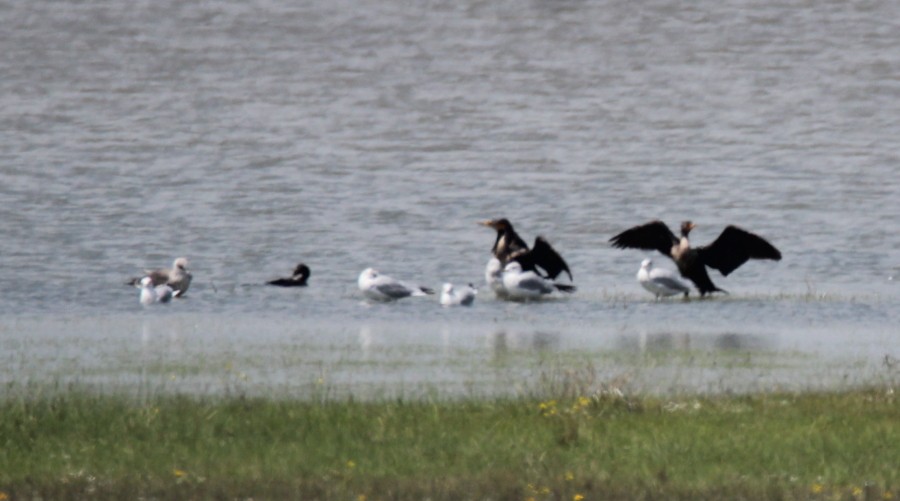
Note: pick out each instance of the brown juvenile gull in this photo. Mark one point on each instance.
(177, 277)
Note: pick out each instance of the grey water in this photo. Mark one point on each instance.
(250, 136)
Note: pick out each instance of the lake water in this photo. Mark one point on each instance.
(249, 136)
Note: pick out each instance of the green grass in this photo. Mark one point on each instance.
(78, 444)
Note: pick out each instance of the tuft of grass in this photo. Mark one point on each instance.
(608, 445)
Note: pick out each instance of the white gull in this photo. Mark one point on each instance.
(493, 275)
(453, 296)
(380, 287)
(660, 281)
(151, 294)
(521, 284)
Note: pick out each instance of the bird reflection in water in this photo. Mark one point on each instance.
(651, 342)
(503, 342)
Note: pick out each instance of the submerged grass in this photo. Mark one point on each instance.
(80, 444)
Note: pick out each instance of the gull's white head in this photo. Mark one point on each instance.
(448, 288)
(368, 274)
(146, 282)
(647, 264)
(513, 266)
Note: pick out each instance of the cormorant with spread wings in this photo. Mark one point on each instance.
(727, 253)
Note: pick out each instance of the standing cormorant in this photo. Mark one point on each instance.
(729, 251)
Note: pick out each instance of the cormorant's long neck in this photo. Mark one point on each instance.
(496, 246)
(682, 247)
(507, 242)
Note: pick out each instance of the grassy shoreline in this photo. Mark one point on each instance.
(605, 446)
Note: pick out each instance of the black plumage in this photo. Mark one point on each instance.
(301, 274)
(726, 253)
(542, 257)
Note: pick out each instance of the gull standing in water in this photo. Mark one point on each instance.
(178, 277)
(728, 252)
(660, 281)
(493, 275)
(151, 294)
(526, 284)
(298, 279)
(452, 296)
(384, 288)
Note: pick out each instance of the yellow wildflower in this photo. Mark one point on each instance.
(577, 497)
(179, 473)
(351, 464)
(361, 497)
(548, 408)
(570, 476)
(817, 488)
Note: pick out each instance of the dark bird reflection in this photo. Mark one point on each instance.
(661, 342)
(503, 342)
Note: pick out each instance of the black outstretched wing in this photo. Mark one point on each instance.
(733, 248)
(544, 256)
(654, 235)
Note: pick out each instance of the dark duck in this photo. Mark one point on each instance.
(540, 258)
(727, 253)
(301, 274)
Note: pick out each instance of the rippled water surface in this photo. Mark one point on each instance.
(249, 136)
